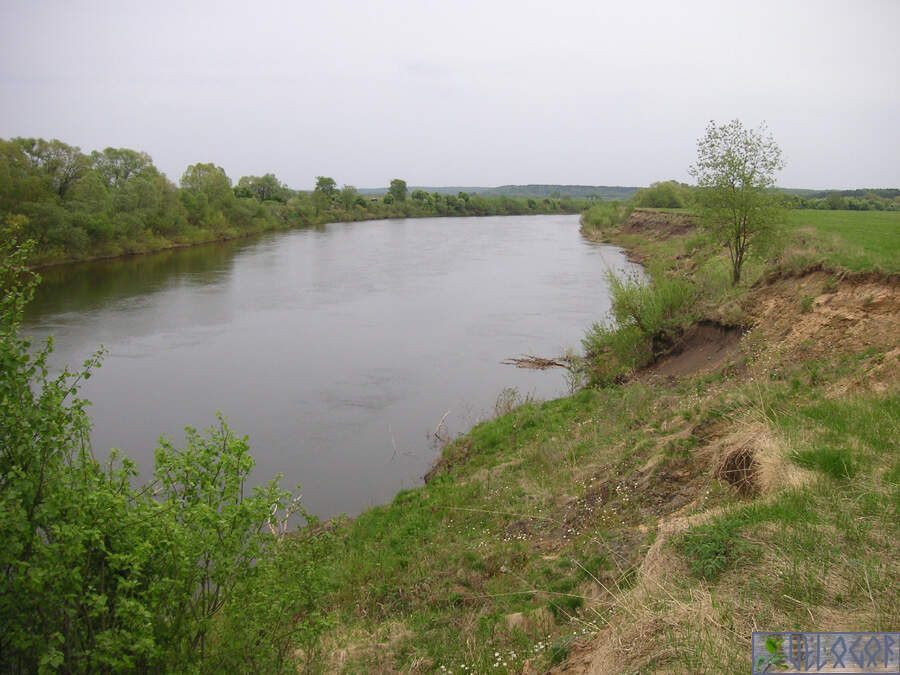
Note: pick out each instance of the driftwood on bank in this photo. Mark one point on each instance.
(538, 362)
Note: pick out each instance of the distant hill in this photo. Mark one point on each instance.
(886, 193)
(536, 191)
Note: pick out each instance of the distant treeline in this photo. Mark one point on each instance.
(881, 199)
(536, 191)
(674, 195)
(77, 206)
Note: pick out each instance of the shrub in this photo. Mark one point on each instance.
(99, 576)
(666, 195)
(646, 318)
(603, 215)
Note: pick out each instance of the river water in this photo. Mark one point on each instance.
(336, 351)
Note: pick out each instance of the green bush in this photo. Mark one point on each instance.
(603, 215)
(665, 195)
(646, 318)
(276, 611)
(100, 576)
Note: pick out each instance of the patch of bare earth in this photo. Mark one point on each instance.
(702, 349)
(660, 223)
(819, 315)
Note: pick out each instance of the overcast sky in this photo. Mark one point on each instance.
(459, 92)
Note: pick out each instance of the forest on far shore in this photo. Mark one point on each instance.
(79, 206)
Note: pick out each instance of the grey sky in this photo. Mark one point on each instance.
(462, 92)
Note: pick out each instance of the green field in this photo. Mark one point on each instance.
(856, 240)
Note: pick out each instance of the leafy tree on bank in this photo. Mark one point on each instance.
(76, 206)
(116, 165)
(60, 163)
(262, 188)
(736, 199)
(348, 197)
(326, 185)
(207, 195)
(324, 193)
(398, 190)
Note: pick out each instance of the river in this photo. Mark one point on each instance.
(337, 351)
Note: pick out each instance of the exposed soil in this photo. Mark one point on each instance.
(820, 313)
(704, 347)
(661, 223)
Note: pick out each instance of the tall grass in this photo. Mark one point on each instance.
(603, 215)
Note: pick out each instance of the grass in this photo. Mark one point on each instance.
(488, 540)
(542, 528)
(853, 240)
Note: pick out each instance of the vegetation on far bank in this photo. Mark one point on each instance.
(78, 206)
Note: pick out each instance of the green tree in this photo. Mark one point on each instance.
(263, 188)
(348, 197)
(326, 186)
(60, 164)
(835, 201)
(735, 173)
(324, 193)
(209, 179)
(206, 194)
(398, 190)
(116, 165)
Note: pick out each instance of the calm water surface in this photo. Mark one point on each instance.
(336, 351)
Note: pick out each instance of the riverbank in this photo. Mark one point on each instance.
(77, 207)
(746, 479)
(158, 245)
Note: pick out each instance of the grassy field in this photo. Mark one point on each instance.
(653, 523)
(855, 240)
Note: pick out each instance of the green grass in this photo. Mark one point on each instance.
(855, 240)
(451, 560)
(859, 241)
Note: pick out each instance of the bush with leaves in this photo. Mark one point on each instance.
(664, 195)
(646, 317)
(99, 576)
(603, 215)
